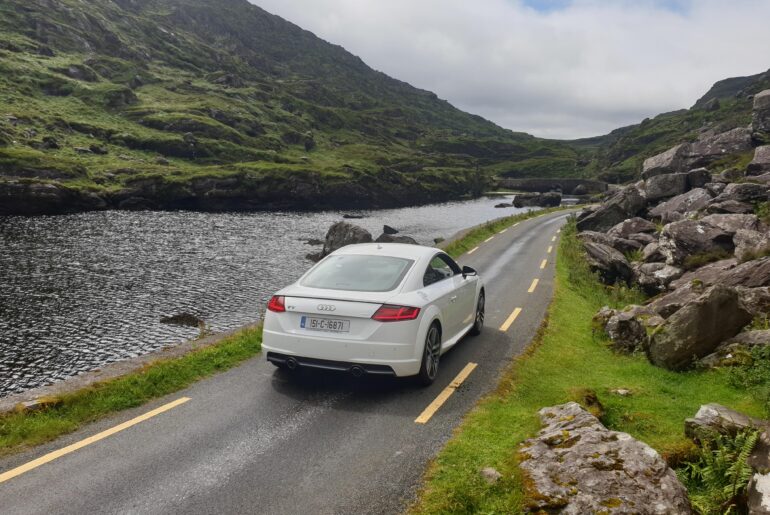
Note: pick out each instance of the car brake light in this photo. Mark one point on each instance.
(390, 313)
(276, 304)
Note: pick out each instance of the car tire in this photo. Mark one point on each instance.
(478, 321)
(431, 355)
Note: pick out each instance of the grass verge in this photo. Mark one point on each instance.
(477, 235)
(566, 359)
(161, 378)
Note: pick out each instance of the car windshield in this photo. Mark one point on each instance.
(358, 273)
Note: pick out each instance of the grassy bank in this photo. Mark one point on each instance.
(73, 410)
(477, 235)
(566, 360)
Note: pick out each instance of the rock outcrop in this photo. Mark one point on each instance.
(339, 235)
(548, 199)
(760, 121)
(611, 265)
(575, 465)
(624, 204)
(698, 328)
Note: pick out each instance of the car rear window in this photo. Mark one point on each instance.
(358, 273)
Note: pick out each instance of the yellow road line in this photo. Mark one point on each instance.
(517, 223)
(550, 249)
(557, 232)
(88, 441)
(542, 265)
(503, 231)
(534, 285)
(489, 239)
(447, 392)
(553, 239)
(474, 249)
(510, 320)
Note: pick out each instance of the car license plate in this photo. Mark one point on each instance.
(330, 325)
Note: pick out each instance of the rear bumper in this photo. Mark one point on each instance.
(323, 364)
(332, 354)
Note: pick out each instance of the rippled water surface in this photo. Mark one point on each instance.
(80, 291)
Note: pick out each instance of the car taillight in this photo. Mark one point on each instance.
(277, 304)
(390, 313)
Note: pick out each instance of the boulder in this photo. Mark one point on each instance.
(751, 274)
(503, 204)
(627, 329)
(490, 475)
(680, 240)
(706, 275)
(710, 146)
(670, 161)
(389, 230)
(737, 350)
(696, 329)
(743, 192)
(575, 465)
(761, 162)
(632, 226)
(751, 244)
(730, 207)
(596, 237)
(183, 319)
(715, 419)
(580, 189)
(643, 238)
(731, 223)
(756, 300)
(698, 178)
(549, 199)
(760, 120)
(760, 179)
(651, 253)
(609, 263)
(715, 188)
(389, 238)
(344, 233)
(624, 204)
(667, 305)
(665, 186)
(674, 209)
(758, 493)
(655, 277)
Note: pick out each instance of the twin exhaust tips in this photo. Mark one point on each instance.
(355, 370)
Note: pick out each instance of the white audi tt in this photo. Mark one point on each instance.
(375, 308)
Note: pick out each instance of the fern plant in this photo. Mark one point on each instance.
(717, 480)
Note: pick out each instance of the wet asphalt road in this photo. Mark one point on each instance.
(256, 440)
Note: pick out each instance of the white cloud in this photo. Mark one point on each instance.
(575, 71)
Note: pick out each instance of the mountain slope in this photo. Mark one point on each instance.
(618, 156)
(220, 105)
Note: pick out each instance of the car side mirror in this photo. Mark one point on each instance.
(468, 271)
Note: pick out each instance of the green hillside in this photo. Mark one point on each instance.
(220, 105)
(618, 156)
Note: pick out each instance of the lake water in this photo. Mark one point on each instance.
(80, 291)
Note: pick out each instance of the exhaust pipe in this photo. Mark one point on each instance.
(357, 371)
(291, 363)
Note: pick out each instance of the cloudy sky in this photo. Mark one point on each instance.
(553, 68)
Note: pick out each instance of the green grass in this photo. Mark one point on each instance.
(479, 234)
(566, 360)
(71, 411)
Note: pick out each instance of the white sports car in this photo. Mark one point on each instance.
(375, 308)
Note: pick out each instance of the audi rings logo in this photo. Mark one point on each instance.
(326, 307)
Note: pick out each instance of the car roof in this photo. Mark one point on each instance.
(400, 250)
